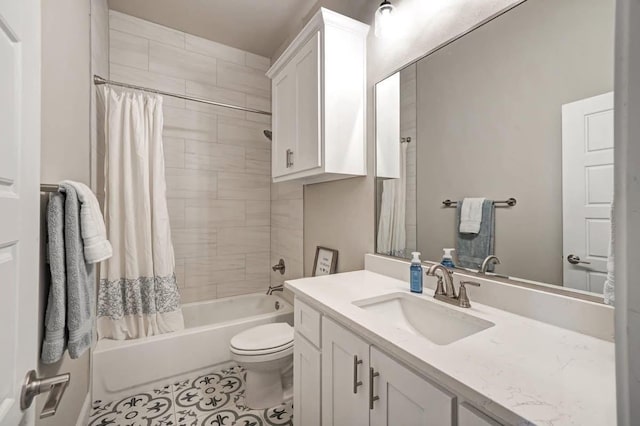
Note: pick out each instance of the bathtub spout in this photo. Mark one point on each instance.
(274, 288)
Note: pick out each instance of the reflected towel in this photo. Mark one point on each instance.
(609, 284)
(471, 215)
(474, 248)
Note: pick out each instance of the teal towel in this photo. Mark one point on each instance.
(474, 248)
(80, 278)
(55, 319)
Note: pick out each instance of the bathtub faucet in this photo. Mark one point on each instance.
(273, 288)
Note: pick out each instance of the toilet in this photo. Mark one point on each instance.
(266, 353)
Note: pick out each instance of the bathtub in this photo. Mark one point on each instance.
(125, 367)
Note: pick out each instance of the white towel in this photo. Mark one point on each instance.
(94, 233)
(471, 215)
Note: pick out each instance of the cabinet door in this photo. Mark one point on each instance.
(307, 154)
(345, 363)
(406, 399)
(306, 382)
(469, 416)
(284, 121)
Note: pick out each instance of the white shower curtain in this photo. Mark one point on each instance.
(392, 233)
(137, 295)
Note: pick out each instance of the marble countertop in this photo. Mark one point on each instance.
(520, 371)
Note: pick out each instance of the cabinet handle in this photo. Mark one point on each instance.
(356, 382)
(372, 398)
(289, 158)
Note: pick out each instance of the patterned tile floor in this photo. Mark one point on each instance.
(214, 399)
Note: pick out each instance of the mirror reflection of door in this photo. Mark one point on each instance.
(587, 190)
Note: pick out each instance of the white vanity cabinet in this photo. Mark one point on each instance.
(363, 386)
(345, 368)
(469, 416)
(319, 102)
(306, 365)
(341, 379)
(405, 398)
(306, 382)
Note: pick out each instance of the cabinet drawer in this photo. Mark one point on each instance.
(470, 416)
(307, 322)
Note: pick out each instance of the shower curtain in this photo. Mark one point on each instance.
(392, 233)
(137, 294)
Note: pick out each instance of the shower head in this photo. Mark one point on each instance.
(268, 134)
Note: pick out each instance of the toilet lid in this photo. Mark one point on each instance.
(270, 337)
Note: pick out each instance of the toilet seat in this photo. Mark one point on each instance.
(268, 339)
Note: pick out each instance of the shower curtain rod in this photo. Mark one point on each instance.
(97, 80)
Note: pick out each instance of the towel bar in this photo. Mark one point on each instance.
(509, 202)
(47, 187)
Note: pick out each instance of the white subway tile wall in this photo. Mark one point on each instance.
(228, 221)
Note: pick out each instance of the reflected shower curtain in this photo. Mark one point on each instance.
(392, 233)
(137, 294)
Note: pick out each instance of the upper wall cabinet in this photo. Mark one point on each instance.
(318, 96)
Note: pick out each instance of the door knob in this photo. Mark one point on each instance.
(574, 260)
(33, 387)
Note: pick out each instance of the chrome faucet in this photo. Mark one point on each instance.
(273, 288)
(448, 292)
(488, 261)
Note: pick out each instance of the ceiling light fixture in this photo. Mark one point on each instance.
(384, 19)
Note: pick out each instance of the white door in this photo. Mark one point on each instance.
(284, 116)
(587, 190)
(345, 368)
(307, 154)
(306, 382)
(404, 398)
(19, 202)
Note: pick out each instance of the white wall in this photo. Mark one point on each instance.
(65, 154)
(218, 162)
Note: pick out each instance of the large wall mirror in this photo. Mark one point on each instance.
(519, 112)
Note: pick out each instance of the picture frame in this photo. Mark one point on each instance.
(326, 261)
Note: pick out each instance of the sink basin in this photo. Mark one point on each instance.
(429, 319)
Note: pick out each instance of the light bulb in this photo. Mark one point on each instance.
(384, 20)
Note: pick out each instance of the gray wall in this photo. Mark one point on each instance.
(341, 214)
(489, 108)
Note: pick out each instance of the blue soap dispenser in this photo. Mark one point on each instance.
(416, 273)
(447, 258)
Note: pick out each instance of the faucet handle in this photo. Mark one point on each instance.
(463, 298)
(440, 287)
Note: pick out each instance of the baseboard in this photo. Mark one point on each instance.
(83, 417)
